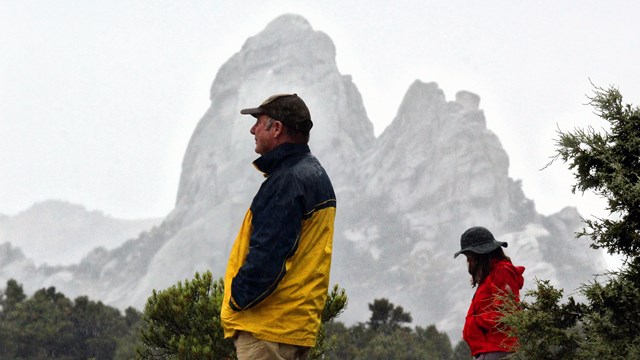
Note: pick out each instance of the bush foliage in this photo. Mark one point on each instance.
(183, 321)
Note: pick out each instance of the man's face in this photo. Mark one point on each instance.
(264, 134)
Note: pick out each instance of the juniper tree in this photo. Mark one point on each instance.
(607, 325)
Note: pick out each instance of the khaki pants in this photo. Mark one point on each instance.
(249, 347)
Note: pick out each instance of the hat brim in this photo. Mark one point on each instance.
(482, 248)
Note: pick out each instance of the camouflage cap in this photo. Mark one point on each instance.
(289, 109)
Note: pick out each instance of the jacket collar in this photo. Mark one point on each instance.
(270, 161)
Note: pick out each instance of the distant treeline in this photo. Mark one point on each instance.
(50, 326)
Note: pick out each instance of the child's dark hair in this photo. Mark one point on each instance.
(483, 264)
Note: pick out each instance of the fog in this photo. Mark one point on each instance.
(99, 99)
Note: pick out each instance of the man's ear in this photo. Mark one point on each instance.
(278, 128)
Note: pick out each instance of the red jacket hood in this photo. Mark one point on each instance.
(508, 265)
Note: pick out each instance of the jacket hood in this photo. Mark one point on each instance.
(508, 265)
(519, 272)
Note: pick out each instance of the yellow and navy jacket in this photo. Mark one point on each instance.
(277, 277)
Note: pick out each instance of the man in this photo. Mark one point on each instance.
(495, 276)
(277, 277)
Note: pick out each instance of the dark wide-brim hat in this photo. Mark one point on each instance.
(478, 240)
(289, 109)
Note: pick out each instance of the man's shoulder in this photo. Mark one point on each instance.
(307, 167)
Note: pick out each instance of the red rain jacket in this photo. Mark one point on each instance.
(480, 330)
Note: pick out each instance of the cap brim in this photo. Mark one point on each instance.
(252, 111)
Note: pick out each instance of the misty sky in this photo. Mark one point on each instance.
(98, 99)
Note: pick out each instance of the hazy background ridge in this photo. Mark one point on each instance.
(123, 84)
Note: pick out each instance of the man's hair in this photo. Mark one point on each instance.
(483, 265)
(270, 121)
(296, 136)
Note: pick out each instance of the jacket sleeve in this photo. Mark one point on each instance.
(276, 227)
(502, 281)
